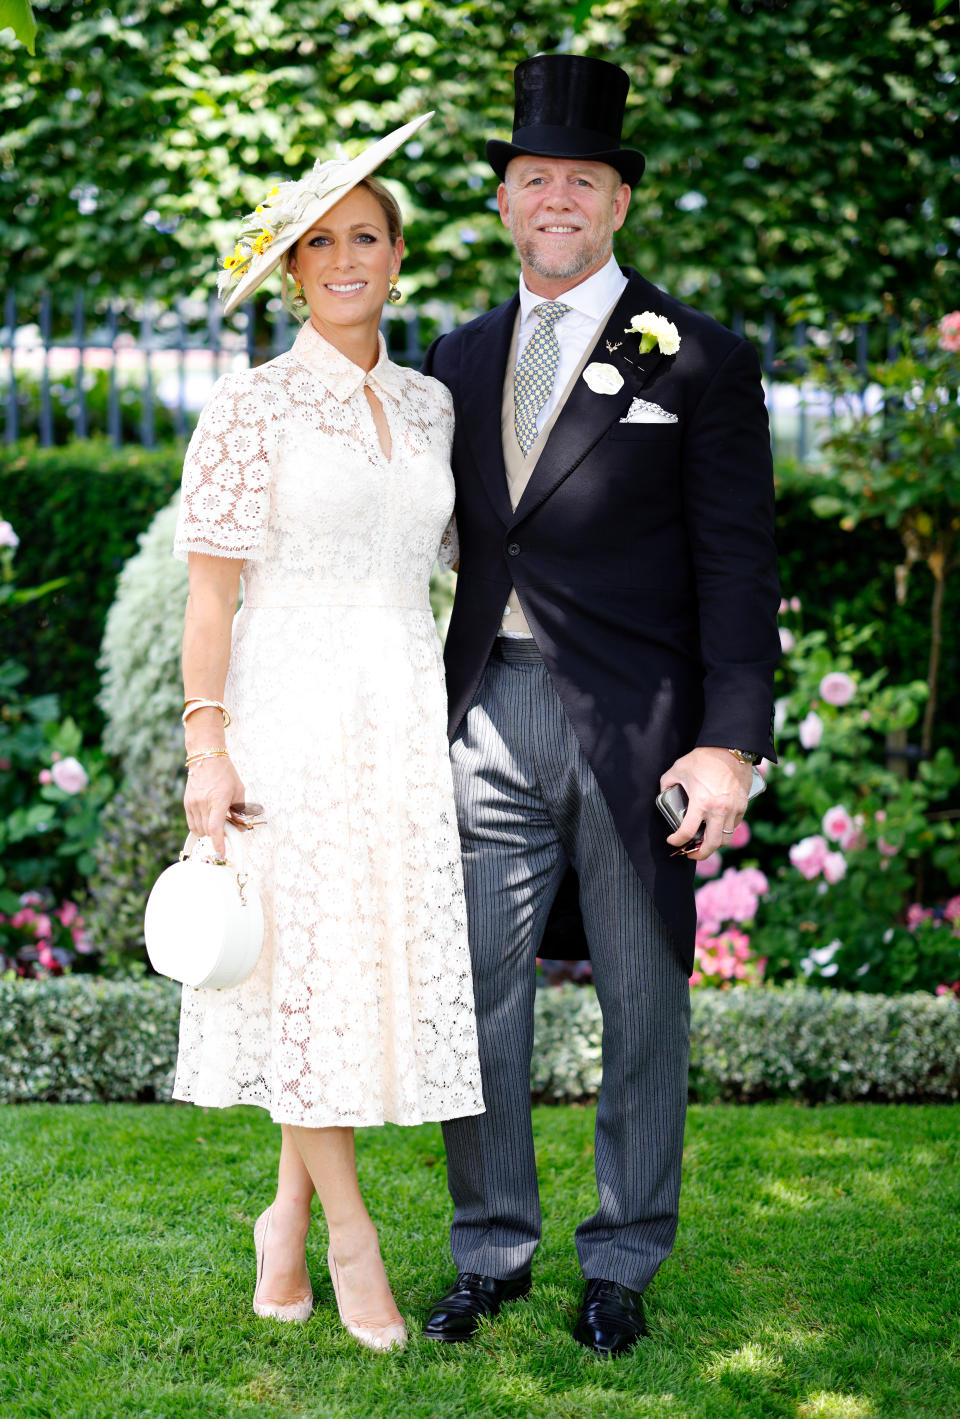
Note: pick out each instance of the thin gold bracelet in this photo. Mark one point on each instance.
(206, 754)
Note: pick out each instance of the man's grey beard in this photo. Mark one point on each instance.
(565, 268)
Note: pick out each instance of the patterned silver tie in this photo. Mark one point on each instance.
(536, 371)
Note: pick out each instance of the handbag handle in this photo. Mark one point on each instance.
(236, 849)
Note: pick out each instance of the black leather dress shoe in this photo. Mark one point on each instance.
(458, 1313)
(611, 1318)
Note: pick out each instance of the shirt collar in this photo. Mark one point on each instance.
(592, 298)
(341, 376)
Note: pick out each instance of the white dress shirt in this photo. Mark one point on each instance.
(589, 303)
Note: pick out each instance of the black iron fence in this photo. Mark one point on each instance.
(139, 371)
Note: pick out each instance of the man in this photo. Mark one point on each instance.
(614, 632)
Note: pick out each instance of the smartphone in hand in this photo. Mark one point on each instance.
(673, 801)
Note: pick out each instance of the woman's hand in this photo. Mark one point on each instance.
(212, 785)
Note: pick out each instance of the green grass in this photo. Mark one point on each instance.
(816, 1273)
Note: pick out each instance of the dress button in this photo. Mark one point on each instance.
(514, 549)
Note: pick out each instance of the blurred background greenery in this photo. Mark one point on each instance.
(793, 146)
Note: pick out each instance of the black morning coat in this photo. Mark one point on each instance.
(643, 557)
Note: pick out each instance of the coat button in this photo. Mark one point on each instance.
(514, 549)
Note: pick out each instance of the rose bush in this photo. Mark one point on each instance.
(41, 938)
(844, 836)
(52, 789)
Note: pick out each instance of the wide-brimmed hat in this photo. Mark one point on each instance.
(569, 106)
(292, 208)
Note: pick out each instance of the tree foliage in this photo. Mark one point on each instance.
(792, 144)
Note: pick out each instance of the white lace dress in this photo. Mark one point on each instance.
(360, 1010)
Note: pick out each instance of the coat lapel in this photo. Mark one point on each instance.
(587, 416)
(482, 400)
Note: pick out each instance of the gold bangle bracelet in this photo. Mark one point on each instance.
(196, 703)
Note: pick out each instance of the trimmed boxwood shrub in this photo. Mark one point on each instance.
(83, 1040)
(818, 1046)
(78, 512)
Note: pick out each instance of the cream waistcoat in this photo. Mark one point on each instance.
(520, 466)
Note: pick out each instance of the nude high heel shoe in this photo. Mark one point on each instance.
(374, 1337)
(298, 1310)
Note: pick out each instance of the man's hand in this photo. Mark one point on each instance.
(716, 785)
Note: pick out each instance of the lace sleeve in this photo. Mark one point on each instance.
(225, 492)
(449, 554)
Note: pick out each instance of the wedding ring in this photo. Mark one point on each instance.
(728, 832)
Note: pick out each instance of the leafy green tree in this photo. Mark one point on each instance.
(792, 144)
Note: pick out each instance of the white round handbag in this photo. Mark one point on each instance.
(204, 923)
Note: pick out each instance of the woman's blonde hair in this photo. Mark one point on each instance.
(392, 215)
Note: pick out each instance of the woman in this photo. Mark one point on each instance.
(322, 479)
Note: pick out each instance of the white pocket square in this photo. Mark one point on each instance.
(641, 411)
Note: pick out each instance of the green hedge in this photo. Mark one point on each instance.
(774, 1043)
(78, 512)
(83, 1040)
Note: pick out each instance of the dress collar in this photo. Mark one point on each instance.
(341, 376)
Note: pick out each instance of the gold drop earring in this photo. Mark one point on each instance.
(393, 295)
(299, 300)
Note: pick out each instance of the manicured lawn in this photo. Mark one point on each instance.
(817, 1273)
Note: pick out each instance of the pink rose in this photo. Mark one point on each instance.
(853, 839)
(787, 640)
(880, 816)
(952, 909)
(784, 606)
(754, 880)
(837, 688)
(24, 917)
(45, 776)
(887, 849)
(834, 867)
(8, 538)
(733, 897)
(809, 855)
(31, 899)
(70, 776)
(68, 913)
(43, 926)
(917, 913)
(696, 978)
(741, 834)
(795, 603)
(811, 730)
(949, 328)
(710, 866)
(837, 823)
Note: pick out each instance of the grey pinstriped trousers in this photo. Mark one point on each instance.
(527, 804)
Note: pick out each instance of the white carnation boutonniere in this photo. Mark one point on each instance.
(655, 330)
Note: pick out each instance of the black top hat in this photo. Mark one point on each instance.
(569, 106)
